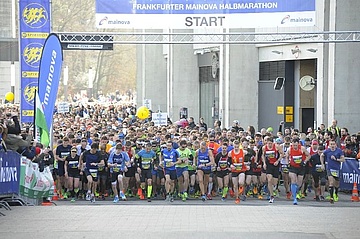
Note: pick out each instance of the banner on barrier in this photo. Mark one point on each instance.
(33, 183)
(349, 173)
(9, 172)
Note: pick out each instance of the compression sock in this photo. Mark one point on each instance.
(293, 190)
(210, 187)
(225, 191)
(336, 190)
(149, 190)
(331, 191)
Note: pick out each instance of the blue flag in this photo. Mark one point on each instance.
(49, 76)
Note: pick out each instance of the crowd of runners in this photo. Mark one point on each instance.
(105, 153)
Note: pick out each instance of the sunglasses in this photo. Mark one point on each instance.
(73, 151)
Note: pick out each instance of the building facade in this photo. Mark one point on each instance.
(177, 76)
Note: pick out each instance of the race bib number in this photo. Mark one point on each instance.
(93, 173)
(238, 166)
(318, 168)
(270, 154)
(297, 159)
(117, 169)
(223, 165)
(284, 168)
(334, 173)
(168, 163)
(74, 164)
(146, 165)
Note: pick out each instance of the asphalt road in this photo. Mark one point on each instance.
(252, 218)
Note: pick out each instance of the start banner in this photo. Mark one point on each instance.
(199, 14)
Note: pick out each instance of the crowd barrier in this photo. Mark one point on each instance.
(21, 181)
(349, 173)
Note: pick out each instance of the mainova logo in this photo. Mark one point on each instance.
(35, 15)
(288, 18)
(285, 19)
(106, 20)
(103, 21)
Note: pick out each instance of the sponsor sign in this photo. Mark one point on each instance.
(349, 173)
(63, 107)
(193, 14)
(159, 118)
(34, 24)
(9, 172)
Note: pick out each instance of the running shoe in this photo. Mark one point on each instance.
(186, 195)
(317, 198)
(322, 198)
(243, 198)
(260, 196)
(231, 192)
(241, 190)
(103, 197)
(268, 197)
(72, 200)
(336, 197)
(295, 202)
(208, 197)
(255, 190)
(288, 195)
(97, 194)
(183, 197)
(328, 197)
(116, 199)
(88, 197)
(271, 199)
(203, 198)
(167, 198)
(223, 199)
(142, 197)
(149, 199)
(171, 199)
(122, 195)
(92, 199)
(331, 200)
(237, 201)
(65, 196)
(298, 195)
(303, 195)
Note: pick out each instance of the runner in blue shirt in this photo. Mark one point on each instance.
(118, 163)
(168, 159)
(333, 157)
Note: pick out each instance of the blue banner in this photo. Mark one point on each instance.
(202, 6)
(34, 27)
(49, 76)
(349, 173)
(9, 172)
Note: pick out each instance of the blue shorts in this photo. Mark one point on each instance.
(172, 173)
(154, 172)
(179, 171)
